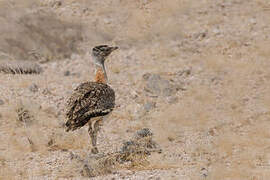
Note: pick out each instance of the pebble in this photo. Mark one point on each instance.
(33, 88)
(172, 99)
(143, 133)
(157, 85)
(46, 91)
(67, 73)
(216, 31)
(204, 172)
(149, 106)
(253, 21)
(56, 4)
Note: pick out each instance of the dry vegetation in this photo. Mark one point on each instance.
(19, 67)
(194, 72)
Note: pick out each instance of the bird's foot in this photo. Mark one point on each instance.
(94, 150)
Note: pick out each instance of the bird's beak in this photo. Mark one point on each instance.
(114, 48)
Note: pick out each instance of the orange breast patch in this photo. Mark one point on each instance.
(100, 76)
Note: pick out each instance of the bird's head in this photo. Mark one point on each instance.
(100, 53)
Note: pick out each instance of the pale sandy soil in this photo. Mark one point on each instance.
(195, 72)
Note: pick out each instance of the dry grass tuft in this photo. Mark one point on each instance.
(133, 154)
(20, 67)
(24, 115)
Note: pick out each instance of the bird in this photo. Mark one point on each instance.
(91, 101)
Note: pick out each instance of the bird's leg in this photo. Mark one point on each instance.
(97, 125)
(93, 137)
(94, 127)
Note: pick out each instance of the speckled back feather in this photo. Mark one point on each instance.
(89, 100)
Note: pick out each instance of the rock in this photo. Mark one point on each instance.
(46, 91)
(155, 84)
(143, 133)
(184, 72)
(171, 139)
(253, 21)
(204, 172)
(149, 106)
(33, 88)
(74, 56)
(67, 73)
(56, 4)
(141, 143)
(216, 31)
(1, 102)
(172, 99)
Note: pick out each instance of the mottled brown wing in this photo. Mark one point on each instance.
(89, 99)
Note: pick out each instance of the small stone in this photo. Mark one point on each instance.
(149, 106)
(33, 88)
(143, 133)
(185, 72)
(67, 73)
(86, 10)
(56, 4)
(46, 91)
(172, 99)
(51, 142)
(204, 172)
(107, 20)
(157, 85)
(253, 21)
(146, 76)
(1, 102)
(171, 139)
(168, 91)
(216, 31)
(74, 56)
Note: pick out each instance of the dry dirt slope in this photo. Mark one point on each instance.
(195, 72)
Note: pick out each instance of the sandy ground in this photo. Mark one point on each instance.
(194, 72)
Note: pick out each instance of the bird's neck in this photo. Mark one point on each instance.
(100, 74)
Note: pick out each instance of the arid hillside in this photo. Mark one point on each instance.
(192, 75)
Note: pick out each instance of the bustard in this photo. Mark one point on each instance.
(91, 101)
